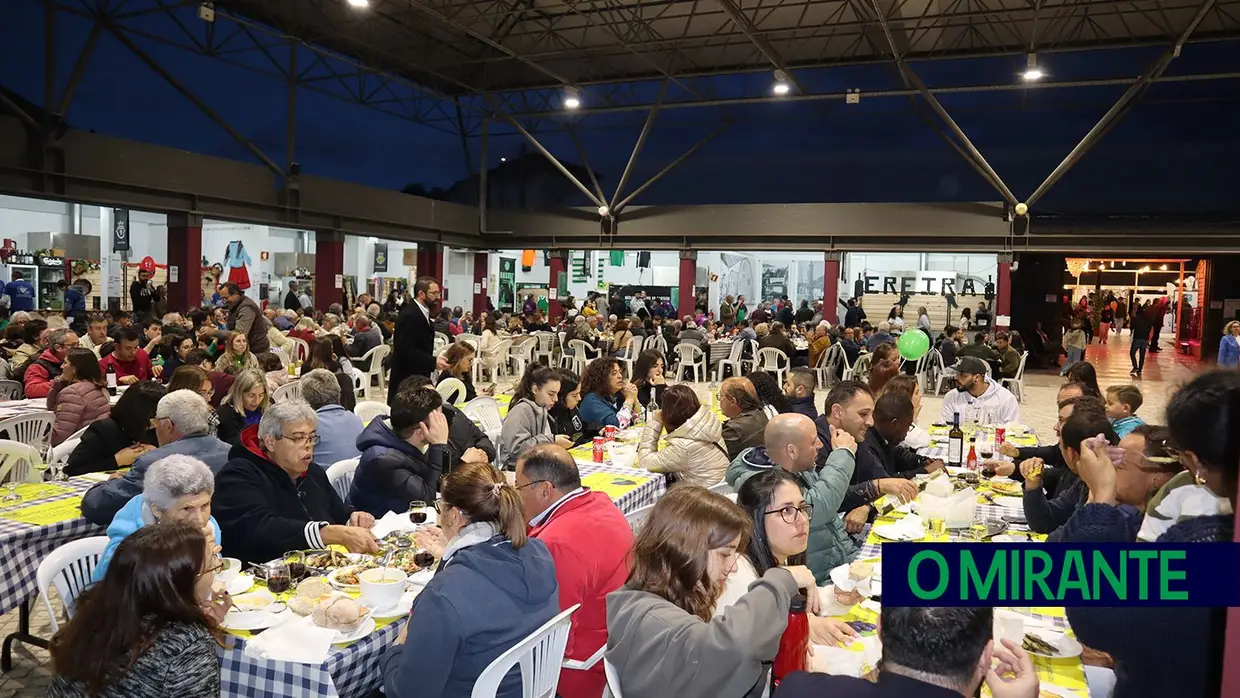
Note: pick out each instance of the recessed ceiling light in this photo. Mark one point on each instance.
(359, 3)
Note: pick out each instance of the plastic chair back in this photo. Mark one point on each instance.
(288, 391)
(34, 429)
(18, 460)
(539, 657)
(340, 475)
(69, 568)
(452, 390)
(11, 390)
(367, 410)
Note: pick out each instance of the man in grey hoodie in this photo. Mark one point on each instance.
(792, 443)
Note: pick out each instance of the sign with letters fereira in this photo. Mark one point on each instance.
(920, 283)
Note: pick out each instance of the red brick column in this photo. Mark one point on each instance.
(185, 254)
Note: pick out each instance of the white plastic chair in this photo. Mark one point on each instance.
(521, 354)
(441, 338)
(733, 361)
(629, 359)
(824, 370)
(60, 453)
(722, 488)
(367, 410)
(544, 352)
(472, 340)
(861, 370)
(539, 657)
(943, 373)
(452, 390)
(375, 367)
(289, 391)
(1017, 383)
(340, 475)
(493, 363)
(69, 567)
(752, 361)
(638, 516)
(18, 461)
(581, 356)
(301, 349)
(613, 680)
(34, 429)
(484, 410)
(772, 360)
(281, 355)
(11, 390)
(691, 358)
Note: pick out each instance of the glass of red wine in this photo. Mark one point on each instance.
(418, 511)
(279, 579)
(424, 559)
(296, 562)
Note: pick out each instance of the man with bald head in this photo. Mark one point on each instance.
(589, 539)
(739, 403)
(792, 443)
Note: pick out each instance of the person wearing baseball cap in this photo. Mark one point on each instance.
(978, 398)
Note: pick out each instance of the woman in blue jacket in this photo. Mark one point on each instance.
(492, 589)
(1229, 345)
(605, 393)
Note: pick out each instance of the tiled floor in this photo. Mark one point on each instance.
(1164, 371)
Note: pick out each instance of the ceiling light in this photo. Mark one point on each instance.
(503, 159)
(1163, 267)
(1032, 71)
(572, 98)
(359, 3)
(1145, 268)
(781, 86)
(603, 211)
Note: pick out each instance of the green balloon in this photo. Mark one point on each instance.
(913, 344)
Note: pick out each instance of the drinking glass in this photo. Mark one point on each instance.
(12, 495)
(424, 559)
(418, 512)
(296, 562)
(279, 580)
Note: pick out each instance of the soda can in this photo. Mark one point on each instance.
(609, 432)
(999, 432)
(599, 448)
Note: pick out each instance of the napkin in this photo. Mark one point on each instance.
(909, 527)
(856, 659)
(393, 522)
(298, 640)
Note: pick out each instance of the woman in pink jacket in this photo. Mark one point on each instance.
(78, 396)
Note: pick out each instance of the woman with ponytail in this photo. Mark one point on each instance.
(494, 586)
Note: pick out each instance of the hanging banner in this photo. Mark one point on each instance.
(381, 257)
(581, 266)
(507, 284)
(120, 230)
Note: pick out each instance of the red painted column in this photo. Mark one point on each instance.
(557, 263)
(328, 265)
(184, 253)
(831, 287)
(688, 277)
(482, 262)
(1003, 292)
(430, 263)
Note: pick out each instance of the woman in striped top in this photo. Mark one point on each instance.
(143, 632)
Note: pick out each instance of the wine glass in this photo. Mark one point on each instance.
(279, 579)
(418, 511)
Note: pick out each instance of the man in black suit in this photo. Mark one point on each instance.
(413, 342)
(290, 299)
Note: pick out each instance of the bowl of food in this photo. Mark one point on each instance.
(346, 578)
(382, 587)
(254, 602)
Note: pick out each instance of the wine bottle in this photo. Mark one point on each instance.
(955, 443)
(111, 378)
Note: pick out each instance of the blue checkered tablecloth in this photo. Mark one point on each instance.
(23, 546)
(349, 672)
(644, 495)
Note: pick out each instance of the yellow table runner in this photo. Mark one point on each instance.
(47, 513)
(614, 486)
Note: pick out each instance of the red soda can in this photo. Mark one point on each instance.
(609, 432)
(999, 431)
(599, 447)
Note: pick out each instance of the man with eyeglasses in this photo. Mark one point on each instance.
(182, 426)
(792, 443)
(47, 367)
(589, 540)
(269, 500)
(413, 343)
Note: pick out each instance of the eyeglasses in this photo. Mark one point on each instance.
(531, 482)
(311, 440)
(789, 513)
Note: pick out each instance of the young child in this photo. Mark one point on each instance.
(1123, 401)
(273, 368)
(1074, 345)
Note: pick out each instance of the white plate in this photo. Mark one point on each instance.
(240, 584)
(401, 608)
(1056, 690)
(421, 578)
(367, 627)
(896, 532)
(1010, 502)
(1010, 538)
(254, 620)
(331, 579)
(1068, 646)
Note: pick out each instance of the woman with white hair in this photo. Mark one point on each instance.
(176, 488)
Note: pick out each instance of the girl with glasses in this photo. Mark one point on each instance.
(780, 516)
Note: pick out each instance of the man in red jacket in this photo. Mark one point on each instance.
(589, 540)
(47, 366)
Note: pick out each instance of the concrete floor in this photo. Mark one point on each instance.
(1164, 372)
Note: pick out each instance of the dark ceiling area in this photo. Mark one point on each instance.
(461, 47)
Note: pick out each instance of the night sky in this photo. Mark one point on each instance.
(1177, 151)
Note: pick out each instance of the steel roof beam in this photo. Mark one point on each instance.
(555, 162)
(755, 35)
(1121, 107)
(668, 168)
(637, 147)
